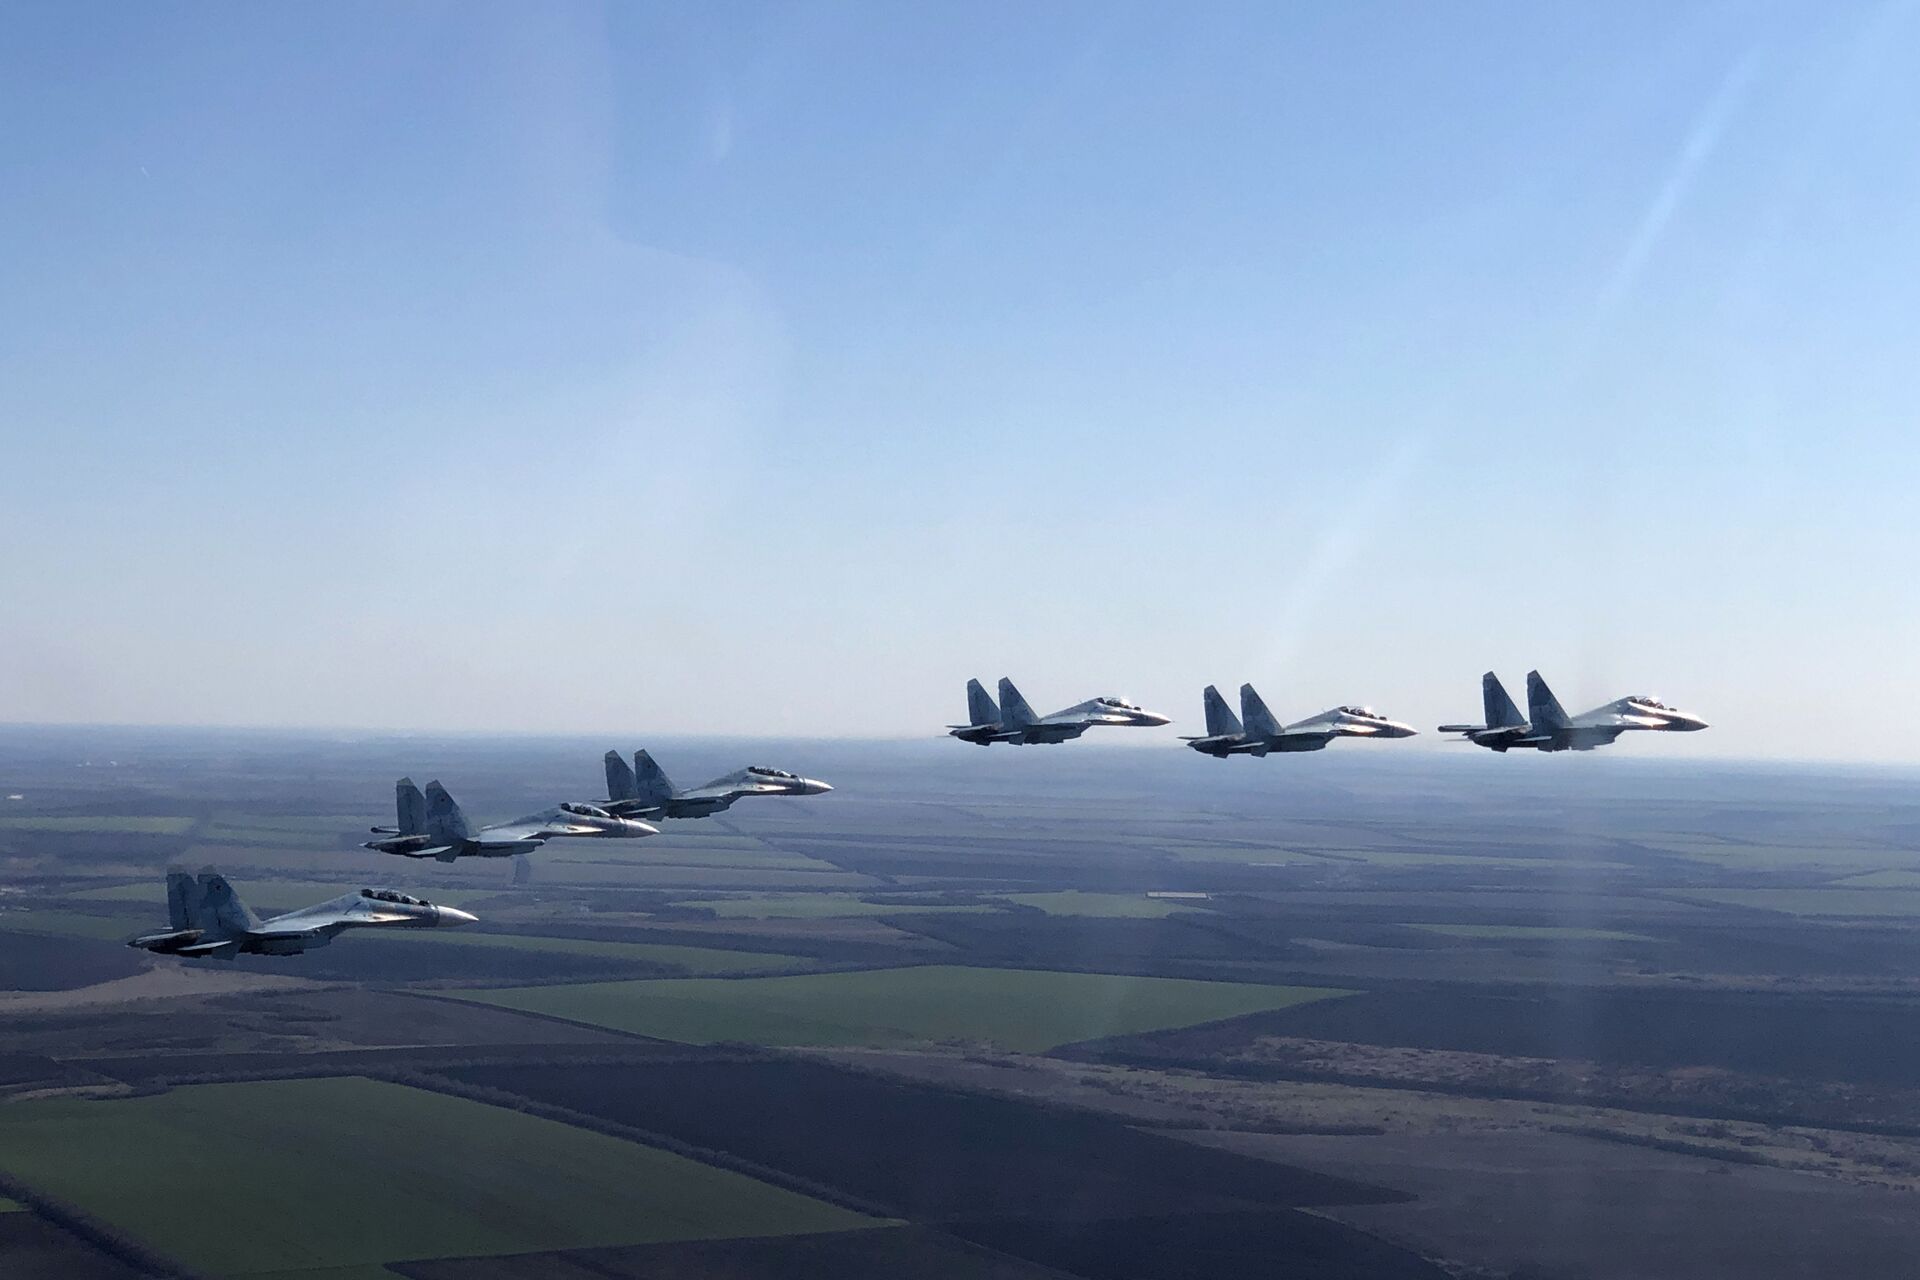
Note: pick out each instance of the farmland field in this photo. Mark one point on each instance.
(696, 960)
(1122, 905)
(1837, 901)
(1021, 1009)
(805, 906)
(383, 1173)
(149, 826)
(1530, 933)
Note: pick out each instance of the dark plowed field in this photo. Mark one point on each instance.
(1296, 1245)
(888, 1253)
(922, 1152)
(1864, 1041)
(34, 962)
(31, 1248)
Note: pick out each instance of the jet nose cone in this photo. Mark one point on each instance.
(1689, 724)
(814, 787)
(1397, 730)
(637, 828)
(1152, 719)
(444, 917)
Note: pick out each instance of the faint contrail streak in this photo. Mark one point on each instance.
(1704, 135)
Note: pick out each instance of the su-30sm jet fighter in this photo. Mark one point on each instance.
(1261, 733)
(1014, 721)
(643, 789)
(207, 918)
(432, 826)
(1548, 727)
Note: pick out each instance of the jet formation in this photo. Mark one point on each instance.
(1255, 731)
(207, 918)
(1548, 727)
(432, 826)
(1014, 721)
(643, 790)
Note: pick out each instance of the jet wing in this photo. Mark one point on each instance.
(726, 789)
(532, 830)
(1620, 721)
(426, 851)
(218, 947)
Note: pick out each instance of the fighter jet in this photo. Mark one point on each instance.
(643, 789)
(1505, 727)
(207, 918)
(1017, 723)
(1549, 728)
(1262, 733)
(1552, 729)
(432, 826)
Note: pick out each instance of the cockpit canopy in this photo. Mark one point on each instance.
(1120, 704)
(1649, 701)
(1365, 713)
(585, 810)
(764, 772)
(390, 895)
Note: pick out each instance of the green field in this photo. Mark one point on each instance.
(1021, 1009)
(696, 960)
(809, 906)
(1543, 933)
(304, 1174)
(104, 825)
(1132, 906)
(11, 1206)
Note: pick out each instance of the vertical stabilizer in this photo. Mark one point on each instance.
(1500, 711)
(621, 782)
(655, 786)
(445, 823)
(1253, 710)
(980, 706)
(411, 807)
(1014, 711)
(220, 909)
(183, 899)
(1221, 722)
(1542, 707)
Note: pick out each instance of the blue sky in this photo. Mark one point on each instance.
(772, 369)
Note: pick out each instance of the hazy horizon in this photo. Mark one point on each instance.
(772, 370)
